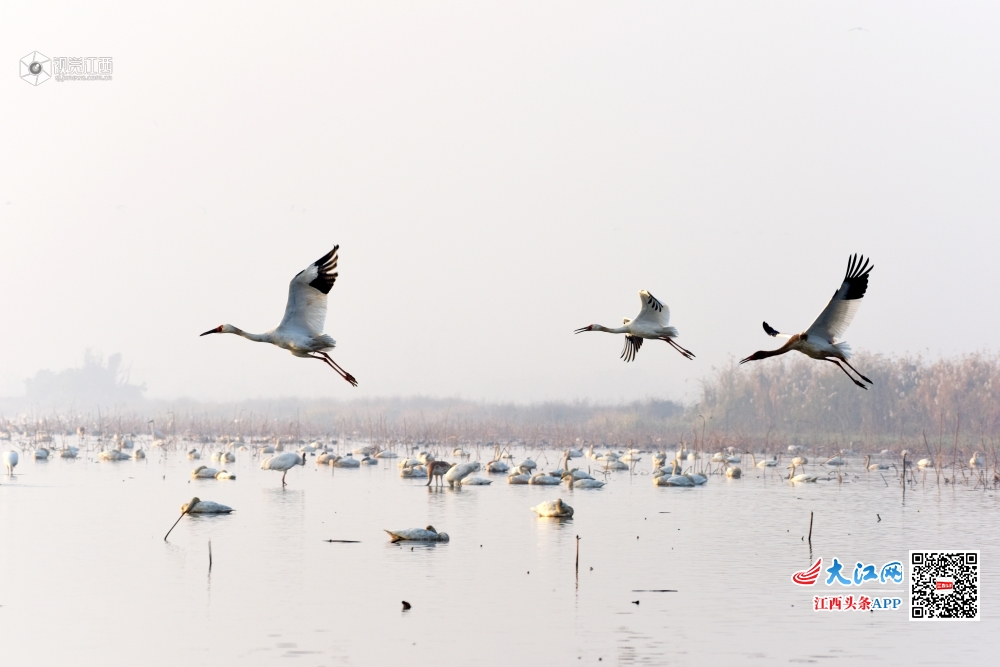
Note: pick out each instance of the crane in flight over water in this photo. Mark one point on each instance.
(820, 340)
(651, 323)
(301, 329)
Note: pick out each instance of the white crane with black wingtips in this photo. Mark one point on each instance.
(301, 329)
(652, 323)
(821, 339)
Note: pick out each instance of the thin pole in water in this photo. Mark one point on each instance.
(810, 528)
(578, 555)
(210, 555)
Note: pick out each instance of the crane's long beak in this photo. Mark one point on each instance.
(215, 330)
(582, 329)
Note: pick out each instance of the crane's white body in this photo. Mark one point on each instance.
(459, 472)
(652, 323)
(301, 329)
(10, 461)
(283, 462)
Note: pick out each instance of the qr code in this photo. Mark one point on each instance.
(944, 585)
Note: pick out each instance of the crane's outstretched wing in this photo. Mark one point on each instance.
(306, 308)
(836, 317)
(632, 345)
(653, 310)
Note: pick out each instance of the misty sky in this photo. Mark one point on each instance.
(497, 175)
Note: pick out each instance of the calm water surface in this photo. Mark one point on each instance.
(88, 579)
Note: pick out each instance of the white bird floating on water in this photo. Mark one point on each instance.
(586, 483)
(518, 478)
(347, 461)
(763, 463)
(673, 480)
(283, 462)
(476, 481)
(68, 453)
(138, 454)
(798, 479)
(427, 534)
(301, 329)
(225, 474)
(820, 340)
(497, 466)
(545, 479)
(193, 454)
(204, 472)
(326, 458)
(875, 466)
(41, 454)
(734, 472)
(10, 461)
(198, 506)
(553, 508)
(925, 463)
(976, 461)
(651, 323)
(112, 455)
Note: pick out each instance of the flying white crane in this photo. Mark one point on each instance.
(283, 462)
(819, 341)
(301, 329)
(652, 322)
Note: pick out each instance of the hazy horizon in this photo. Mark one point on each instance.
(496, 176)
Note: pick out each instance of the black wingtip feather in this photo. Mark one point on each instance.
(326, 266)
(769, 330)
(857, 276)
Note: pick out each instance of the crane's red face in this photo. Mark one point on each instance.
(217, 329)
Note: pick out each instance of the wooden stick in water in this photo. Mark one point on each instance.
(810, 528)
(210, 555)
(578, 554)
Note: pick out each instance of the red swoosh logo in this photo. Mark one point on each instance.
(808, 577)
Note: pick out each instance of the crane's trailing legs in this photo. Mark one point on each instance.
(686, 353)
(325, 358)
(835, 363)
(856, 371)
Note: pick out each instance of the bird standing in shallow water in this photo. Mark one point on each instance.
(652, 323)
(283, 462)
(819, 341)
(301, 329)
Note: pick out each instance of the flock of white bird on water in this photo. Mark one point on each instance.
(584, 467)
(301, 333)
